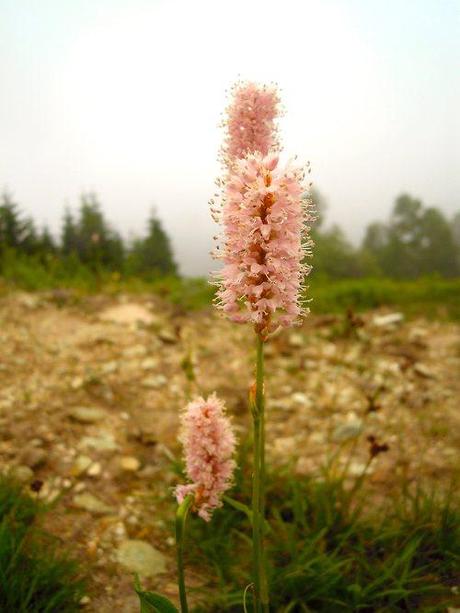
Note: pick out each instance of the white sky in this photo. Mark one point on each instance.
(124, 96)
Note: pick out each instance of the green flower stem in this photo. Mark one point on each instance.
(256, 535)
(181, 520)
(258, 489)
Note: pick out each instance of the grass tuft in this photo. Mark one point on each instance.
(35, 576)
(327, 553)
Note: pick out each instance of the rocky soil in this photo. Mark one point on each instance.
(90, 391)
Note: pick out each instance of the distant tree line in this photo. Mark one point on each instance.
(87, 240)
(414, 241)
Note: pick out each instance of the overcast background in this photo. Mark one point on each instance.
(123, 97)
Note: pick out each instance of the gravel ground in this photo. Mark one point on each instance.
(90, 391)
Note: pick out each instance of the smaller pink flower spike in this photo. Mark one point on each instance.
(209, 445)
(250, 121)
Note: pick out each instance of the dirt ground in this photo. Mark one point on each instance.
(91, 389)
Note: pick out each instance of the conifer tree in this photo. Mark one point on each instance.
(16, 232)
(97, 245)
(11, 225)
(152, 255)
(68, 234)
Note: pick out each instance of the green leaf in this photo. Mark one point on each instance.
(239, 506)
(151, 602)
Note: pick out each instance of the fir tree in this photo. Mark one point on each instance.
(11, 225)
(16, 232)
(153, 256)
(97, 245)
(68, 234)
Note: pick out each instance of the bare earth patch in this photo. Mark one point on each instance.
(90, 392)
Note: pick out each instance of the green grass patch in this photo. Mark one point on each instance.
(432, 297)
(327, 552)
(428, 297)
(35, 575)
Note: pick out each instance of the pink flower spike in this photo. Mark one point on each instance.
(265, 243)
(209, 445)
(250, 121)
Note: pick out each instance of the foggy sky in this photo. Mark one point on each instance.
(123, 97)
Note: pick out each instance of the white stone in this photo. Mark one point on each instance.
(149, 363)
(296, 340)
(94, 470)
(87, 415)
(22, 473)
(424, 371)
(76, 383)
(349, 429)
(389, 320)
(127, 314)
(104, 442)
(301, 398)
(88, 502)
(135, 351)
(154, 381)
(109, 367)
(81, 465)
(140, 557)
(356, 469)
(130, 464)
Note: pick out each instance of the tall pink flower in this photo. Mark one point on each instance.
(209, 445)
(265, 215)
(250, 120)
